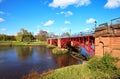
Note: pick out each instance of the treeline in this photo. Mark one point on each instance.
(4, 37)
(25, 36)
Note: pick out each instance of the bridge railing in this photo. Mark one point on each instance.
(75, 35)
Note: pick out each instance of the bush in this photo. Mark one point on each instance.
(51, 46)
(59, 51)
(105, 67)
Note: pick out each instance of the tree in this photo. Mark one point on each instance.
(42, 35)
(19, 36)
(52, 35)
(3, 37)
(11, 38)
(65, 34)
(24, 36)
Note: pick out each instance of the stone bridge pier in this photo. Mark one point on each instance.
(107, 40)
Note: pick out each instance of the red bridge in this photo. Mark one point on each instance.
(86, 42)
(106, 39)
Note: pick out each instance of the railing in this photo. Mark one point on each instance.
(75, 35)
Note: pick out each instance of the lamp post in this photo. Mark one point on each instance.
(70, 32)
(95, 23)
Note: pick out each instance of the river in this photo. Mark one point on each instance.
(18, 61)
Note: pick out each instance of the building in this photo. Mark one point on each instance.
(107, 39)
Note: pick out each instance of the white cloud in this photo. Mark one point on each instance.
(112, 4)
(64, 29)
(90, 20)
(66, 22)
(65, 3)
(87, 29)
(1, 12)
(2, 20)
(49, 23)
(3, 29)
(67, 14)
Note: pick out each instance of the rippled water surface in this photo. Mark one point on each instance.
(18, 61)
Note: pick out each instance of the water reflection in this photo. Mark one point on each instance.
(41, 50)
(4, 49)
(24, 52)
(18, 61)
(64, 60)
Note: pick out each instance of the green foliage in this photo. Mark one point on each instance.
(59, 51)
(42, 35)
(19, 36)
(105, 67)
(17, 43)
(24, 36)
(71, 72)
(51, 46)
(65, 34)
(3, 37)
(96, 68)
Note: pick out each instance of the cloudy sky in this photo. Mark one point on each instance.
(55, 16)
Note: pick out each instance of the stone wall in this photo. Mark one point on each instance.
(107, 45)
(107, 40)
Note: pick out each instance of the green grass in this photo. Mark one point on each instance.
(59, 50)
(96, 68)
(15, 43)
(71, 72)
(51, 46)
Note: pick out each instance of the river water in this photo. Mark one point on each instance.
(18, 61)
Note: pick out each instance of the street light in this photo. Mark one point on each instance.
(70, 32)
(95, 22)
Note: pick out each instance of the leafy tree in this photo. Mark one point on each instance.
(19, 36)
(3, 37)
(24, 36)
(11, 38)
(65, 34)
(42, 35)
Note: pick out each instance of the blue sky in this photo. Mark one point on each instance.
(55, 16)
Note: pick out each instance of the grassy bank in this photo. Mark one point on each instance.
(17, 43)
(59, 50)
(96, 68)
(50, 46)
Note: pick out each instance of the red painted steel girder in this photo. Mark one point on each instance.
(64, 42)
(77, 41)
(54, 41)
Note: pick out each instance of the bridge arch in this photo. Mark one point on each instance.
(101, 47)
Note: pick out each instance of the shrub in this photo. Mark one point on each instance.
(104, 67)
(59, 51)
(51, 46)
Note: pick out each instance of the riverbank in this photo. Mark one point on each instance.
(17, 43)
(95, 68)
(59, 51)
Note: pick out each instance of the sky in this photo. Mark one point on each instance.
(55, 16)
